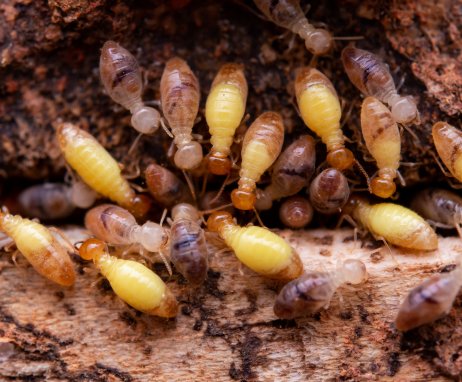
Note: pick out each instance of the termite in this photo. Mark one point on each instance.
(262, 145)
(320, 110)
(329, 191)
(121, 77)
(40, 248)
(430, 300)
(258, 248)
(396, 224)
(448, 143)
(372, 77)
(291, 172)
(288, 14)
(180, 96)
(313, 291)
(98, 169)
(134, 283)
(296, 212)
(224, 110)
(383, 141)
(188, 249)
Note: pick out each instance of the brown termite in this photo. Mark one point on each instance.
(313, 291)
(291, 172)
(448, 143)
(262, 145)
(372, 77)
(383, 141)
(430, 300)
(288, 14)
(180, 96)
(121, 77)
(296, 212)
(329, 191)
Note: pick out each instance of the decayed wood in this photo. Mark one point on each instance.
(227, 330)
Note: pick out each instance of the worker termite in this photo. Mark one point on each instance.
(288, 14)
(165, 187)
(40, 248)
(180, 95)
(313, 291)
(224, 111)
(391, 222)
(262, 145)
(291, 172)
(98, 169)
(372, 77)
(329, 191)
(430, 300)
(320, 110)
(188, 249)
(383, 141)
(121, 77)
(258, 248)
(296, 212)
(448, 143)
(51, 201)
(134, 283)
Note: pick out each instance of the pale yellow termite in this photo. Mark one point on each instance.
(448, 143)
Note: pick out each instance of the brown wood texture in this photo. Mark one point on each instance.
(227, 330)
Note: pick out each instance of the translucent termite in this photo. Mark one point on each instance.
(291, 172)
(320, 109)
(188, 249)
(133, 282)
(396, 224)
(448, 143)
(288, 14)
(40, 248)
(224, 110)
(383, 141)
(296, 212)
(430, 300)
(165, 187)
(98, 169)
(329, 191)
(372, 77)
(180, 96)
(258, 248)
(121, 77)
(313, 291)
(261, 146)
(51, 201)
(116, 226)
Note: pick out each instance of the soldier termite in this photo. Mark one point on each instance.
(320, 109)
(40, 248)
(224, 111)
(372, 77)
(329, 191)
(133, 282)
(448, 143)
(121, 77)
(430, 300)
(313, 291)
(262, 145)
(288, 14)
(296, 212)
(258, 248)
(383, 141)
(98, 169)
(395, 224)
(291, 172)
(180, 95)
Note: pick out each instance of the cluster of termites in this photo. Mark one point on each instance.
(300, 184)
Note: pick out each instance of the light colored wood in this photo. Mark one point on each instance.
(225, 331)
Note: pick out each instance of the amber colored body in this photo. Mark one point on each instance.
(296, 212)
(448, 143)
(262, 145)
(329, 191)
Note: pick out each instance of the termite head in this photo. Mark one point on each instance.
(219, 164)
(152, 236)
(243, 199)
(353, 203)
(188, 156)
(140, 206)
(354, 271)
(219, 219)
(146, 120)
(319, 42)
(405, 111)
(383, 187)
(92, 249)
(340, 158)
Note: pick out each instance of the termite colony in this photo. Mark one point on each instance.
(258, 170)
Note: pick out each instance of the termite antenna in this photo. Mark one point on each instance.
(220, 191)
(190, 185)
